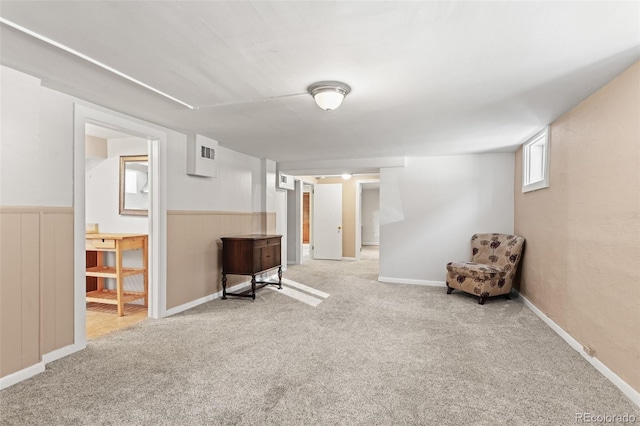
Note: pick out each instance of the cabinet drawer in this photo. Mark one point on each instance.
(273, 241)
(260, 243)
(100, 244)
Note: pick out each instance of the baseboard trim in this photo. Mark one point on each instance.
(624, 387)
(62, 352)
(349, 259)
(200, 301)
(21, 375)
(38, 368)
(373, 243)
(411, 281)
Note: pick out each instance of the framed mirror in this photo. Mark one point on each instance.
(134, 185)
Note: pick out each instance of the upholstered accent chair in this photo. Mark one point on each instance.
(493, 266)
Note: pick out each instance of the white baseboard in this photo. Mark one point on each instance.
(411, 281)
(21, 375)
(200, 301)
(373, 243)
(630, 392)
(62, 352)
(38, 368)
(349, 259)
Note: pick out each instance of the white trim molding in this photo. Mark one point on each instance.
(541, 159)
(62, 352)
(200, 301)
(21, 375)
(624, 387)
(411, 281)
(38, 368)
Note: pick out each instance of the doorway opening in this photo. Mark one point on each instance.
(117, 205)
(307, 217)
(156, 228)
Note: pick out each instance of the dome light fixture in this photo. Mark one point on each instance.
(346, 176)
(329, 94)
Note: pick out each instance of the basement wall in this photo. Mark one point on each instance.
(37, 221)
(430, 208)
(580, 265)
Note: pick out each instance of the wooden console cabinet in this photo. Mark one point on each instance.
(251, 255)
(117, 243)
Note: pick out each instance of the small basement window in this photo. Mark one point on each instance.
(535, 162)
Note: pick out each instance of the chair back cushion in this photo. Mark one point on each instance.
(502, 251)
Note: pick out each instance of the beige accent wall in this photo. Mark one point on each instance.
(194, 250)
(349, 188)
(95, 147)
(36, 284)
(580, 265)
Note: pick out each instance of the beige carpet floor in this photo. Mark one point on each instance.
(368, 354)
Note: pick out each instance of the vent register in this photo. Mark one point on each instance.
(202, 158)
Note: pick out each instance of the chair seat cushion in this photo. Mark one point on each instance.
(475, 270)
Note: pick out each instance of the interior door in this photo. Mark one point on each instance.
(327, 221)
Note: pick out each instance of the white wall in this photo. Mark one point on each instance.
(20, 173)
(102, 189)
(370, 216)
(268, 180)
(36, 143)
(233, 189)
(281, 224)
(430, 208)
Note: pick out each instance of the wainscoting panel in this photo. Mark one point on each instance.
(10, 293)
(36, 284)
(56, 250)
(194, 250)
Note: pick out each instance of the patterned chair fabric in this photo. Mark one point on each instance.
(494, 263)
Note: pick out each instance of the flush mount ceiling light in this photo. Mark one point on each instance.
(329, 94)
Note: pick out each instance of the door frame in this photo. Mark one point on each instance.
(358, 248)
(157, 209)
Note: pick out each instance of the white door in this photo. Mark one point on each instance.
(327, 221)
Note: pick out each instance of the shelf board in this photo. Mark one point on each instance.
(110, 272)
(111, 296)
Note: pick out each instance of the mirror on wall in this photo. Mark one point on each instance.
(134, 185)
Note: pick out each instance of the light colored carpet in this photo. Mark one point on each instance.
(369, 354)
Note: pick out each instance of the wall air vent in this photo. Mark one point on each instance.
(285, 181)
(202, 156)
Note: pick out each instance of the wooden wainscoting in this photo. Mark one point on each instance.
(36, 284)
(194, 250)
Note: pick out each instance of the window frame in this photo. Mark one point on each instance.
(526, 161)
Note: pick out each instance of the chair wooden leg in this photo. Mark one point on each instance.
(449, 290)
(481, 300)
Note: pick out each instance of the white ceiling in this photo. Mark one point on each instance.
(428, 78)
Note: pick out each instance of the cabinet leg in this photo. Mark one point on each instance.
(253, 287)
(280, 277)
(119, 280)
(224, 286)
